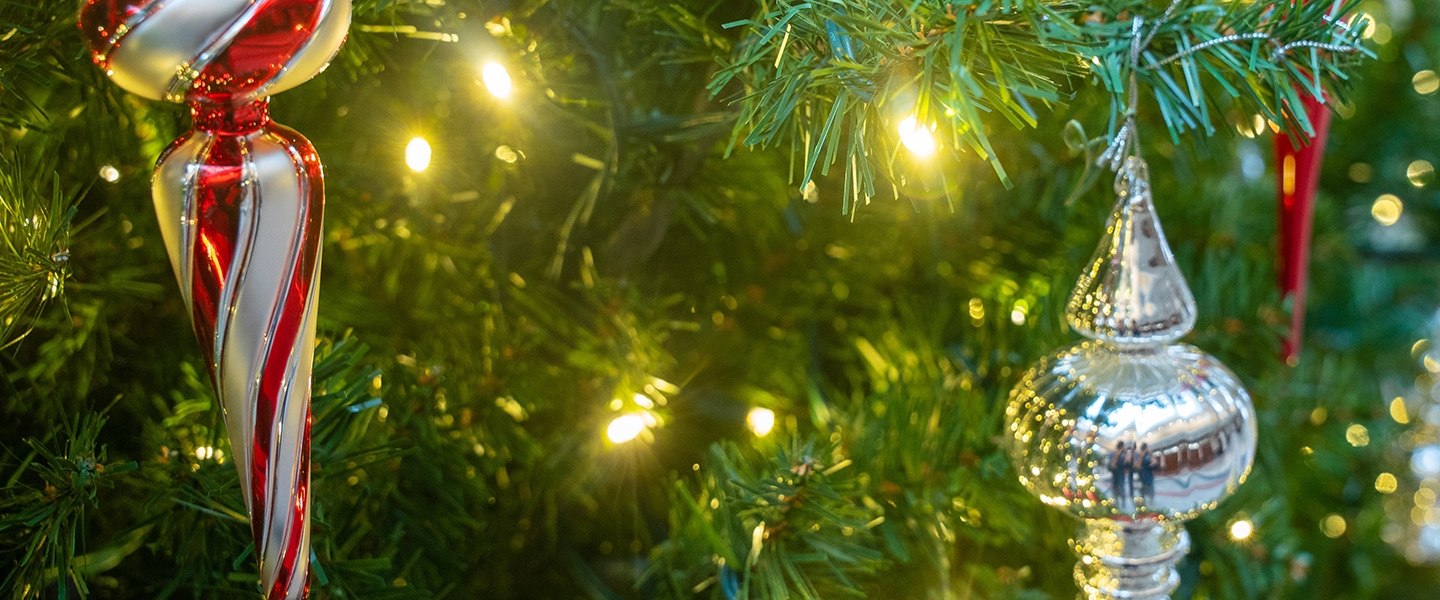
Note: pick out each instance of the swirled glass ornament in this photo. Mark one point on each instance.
(1130, 431)
(240, 201)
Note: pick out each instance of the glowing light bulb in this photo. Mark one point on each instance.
(625, 428)
(109, 173)
(916, 138)
(760, 420)
(417, 154)
(1241, 529)
(497, 79)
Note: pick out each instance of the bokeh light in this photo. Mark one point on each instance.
(1387, 209)
(1333, 525)
(1386, 483)
(1420, 172)
(1357, 435)
(1426, 82)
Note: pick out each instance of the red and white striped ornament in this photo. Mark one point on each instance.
(240, 201)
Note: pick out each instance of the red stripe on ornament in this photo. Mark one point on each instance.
(278, 30)
(219, 192)
(103, 23)
(290, 557)
(275, 372)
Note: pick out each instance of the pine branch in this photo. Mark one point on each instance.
(34, 244)
(833, 80)
(43, 508)
(784, 527)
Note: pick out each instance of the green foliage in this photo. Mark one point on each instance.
(34, 245)
(787, 525)
(827, 76)
(591, 247)
(43, 507)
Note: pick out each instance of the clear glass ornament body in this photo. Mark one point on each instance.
(1129, 431)
(1161, 432)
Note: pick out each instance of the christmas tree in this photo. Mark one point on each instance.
(720, 299)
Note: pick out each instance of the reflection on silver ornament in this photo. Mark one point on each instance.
(1130, 431)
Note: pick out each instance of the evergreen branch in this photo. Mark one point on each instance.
(34, 244)
(43, 508)
(790, 526)
(808, 72)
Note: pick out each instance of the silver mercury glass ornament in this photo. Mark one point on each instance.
(1130, 431)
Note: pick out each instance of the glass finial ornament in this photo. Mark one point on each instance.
(240, 201)
(1130, 431)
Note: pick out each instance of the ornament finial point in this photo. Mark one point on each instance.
(1132, 292)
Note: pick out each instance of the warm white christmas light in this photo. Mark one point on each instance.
(1241, 529)
(109, 173)
(760, 420)
(417, 154)
(625, 428)
(497, 79)
(916, 138)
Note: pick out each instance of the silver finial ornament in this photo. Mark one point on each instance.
(1129, 431)
(1132, 292)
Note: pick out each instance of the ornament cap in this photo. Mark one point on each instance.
(1132, 293)
(1130, 561)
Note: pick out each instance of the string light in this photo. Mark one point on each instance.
(625, 428)
(917, 139)
(760, 420)
(209, 452)
(1387, 209)
(417, 154)
(497, 79)
(109, 173)
(1241, 529)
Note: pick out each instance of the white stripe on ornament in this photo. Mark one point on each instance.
(165, 44)
(281, 214)
(315, 54)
